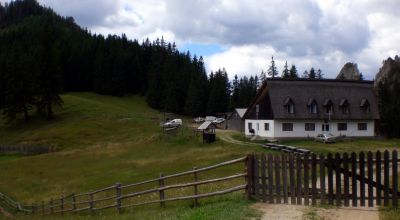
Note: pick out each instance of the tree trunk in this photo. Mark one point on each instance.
(26, 114)
(50, 114)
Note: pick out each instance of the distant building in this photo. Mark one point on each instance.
(305, 108)
(235, 120)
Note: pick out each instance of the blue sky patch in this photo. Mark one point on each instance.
(201, 49)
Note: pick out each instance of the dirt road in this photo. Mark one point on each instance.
(283, 212)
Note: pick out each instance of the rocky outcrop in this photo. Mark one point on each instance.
(349, 72)
(390, 71)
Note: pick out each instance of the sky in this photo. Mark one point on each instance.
(242, 36)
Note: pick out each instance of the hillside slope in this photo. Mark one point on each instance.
(103, 140)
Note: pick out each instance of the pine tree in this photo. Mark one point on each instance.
(361, 77)
(285, 72)
(263, 76)
(49, 77)
(219, 93)
(319, 75)
(293, 72)
(272, 70)
(311, 74)
(234, 103)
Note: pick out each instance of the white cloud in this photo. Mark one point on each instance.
(309, 33)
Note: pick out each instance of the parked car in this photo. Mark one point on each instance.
(325, 138)
(173, 123)
(199, 120)
(210, 118)
(218, 120)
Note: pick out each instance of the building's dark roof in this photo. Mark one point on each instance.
(303, 92)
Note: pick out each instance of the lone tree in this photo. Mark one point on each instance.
(312, 74)
(285, 72)
(293, 72)
(319, 75)
(272, 70)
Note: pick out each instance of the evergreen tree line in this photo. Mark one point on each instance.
(290, 73)
(43, 55)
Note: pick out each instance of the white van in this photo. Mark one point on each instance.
(173, 123)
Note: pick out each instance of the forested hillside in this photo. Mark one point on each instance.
(43, 54)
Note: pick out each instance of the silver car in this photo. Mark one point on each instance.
(325, 138)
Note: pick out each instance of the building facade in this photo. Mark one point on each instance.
(305, 108)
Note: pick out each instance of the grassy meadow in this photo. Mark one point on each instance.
(103, 140)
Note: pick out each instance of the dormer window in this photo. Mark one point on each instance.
(344, 106)
(289, 105)
(365, 106)
(312, 106)
(328, 105)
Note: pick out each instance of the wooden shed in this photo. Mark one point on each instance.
(208, 131)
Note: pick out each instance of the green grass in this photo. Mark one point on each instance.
(226, 207)
(104, 140)
(389, 213)
(341, 146)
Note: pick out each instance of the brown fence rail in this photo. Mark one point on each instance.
(118, 196)
(26, 150)
(11, 203)
(364, 179)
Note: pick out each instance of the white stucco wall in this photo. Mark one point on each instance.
(261, 131)
(275, 128)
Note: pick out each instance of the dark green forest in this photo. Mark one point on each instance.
(43, 55)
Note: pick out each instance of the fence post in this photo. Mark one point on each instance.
(51, 205)
(73, 202)
(33, 207)
(249, 178)
(161, 185)
(386, 178)
(362, 180)
(378, 174)
(394, 178)
(338, 188)
(91, 204)
(62, 205)
(118, 196)
(354, 190)
(370, 168)
(196, 190)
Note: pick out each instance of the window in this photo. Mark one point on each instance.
(344, 106)
(287, 127)
(325, 127)
(290, 108)
(312, 106)
(362, 126)
(365, 106)
(266, 126)
(328, 104)
(289, 105)
(258, 127)
(342, 126)
(250, 125)
(310, 127)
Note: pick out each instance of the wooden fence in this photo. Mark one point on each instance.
(340, 179)
(120, 196)
(11, 203)
(26, 150)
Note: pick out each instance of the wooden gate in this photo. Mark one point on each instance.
(340, 179)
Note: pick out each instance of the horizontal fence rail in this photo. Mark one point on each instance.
(26, 150)
(118, 196)
(364, 179)
(6, 200)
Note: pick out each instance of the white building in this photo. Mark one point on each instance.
(305, 108)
